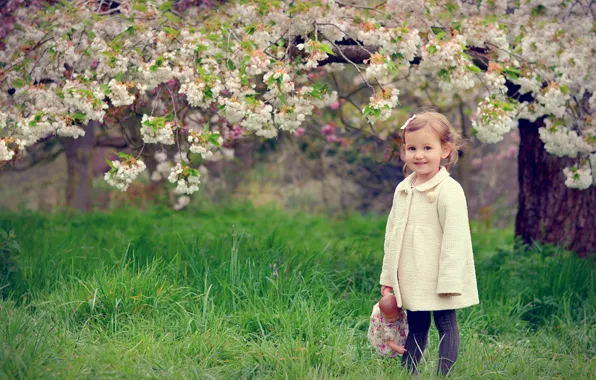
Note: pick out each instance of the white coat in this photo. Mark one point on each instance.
(428, 246)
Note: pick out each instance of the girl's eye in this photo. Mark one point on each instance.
(427, 148)
(411, 148)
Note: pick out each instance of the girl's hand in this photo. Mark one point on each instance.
(385, 290)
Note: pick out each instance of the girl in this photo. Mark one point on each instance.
(428, 262)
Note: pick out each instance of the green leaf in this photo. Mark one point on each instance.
(118, 77)
(166, 6)
(206, 127)
(437, 30)
(444, 74)
(564, 89)
(214, 139)
(230, 64)
(473, 68)
(105, 88)
(326, 49)
(508, 106)
(171, 31)
(250, 29)
(173, 18)
(79, 116)
(123, 155)
(140, 7)
(109, 163)
(18, 83)
(441, 35)
(432, 49)
(396, 56)
(170, 117)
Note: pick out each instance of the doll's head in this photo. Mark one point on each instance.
(389, 308)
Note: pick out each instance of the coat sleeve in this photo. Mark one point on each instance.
(456, 245)
(388, 265)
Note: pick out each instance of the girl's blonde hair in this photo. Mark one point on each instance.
(439, 123)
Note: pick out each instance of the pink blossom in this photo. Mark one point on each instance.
(171, 83)
(236, 131)
(334, 106)
(299, 131)
(331, 138)
(94, 64)
(328, 129)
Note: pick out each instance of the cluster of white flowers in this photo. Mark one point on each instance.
(402, 41)
(258, 119)
(258, 63)
(203, 89)
(530, 83)
(80, 98)
(185, 183)
(492, 121)
(578, 176)
(278, 81)
(119, 95)
(377, 70)
(315, 97)
(233, 110)
(317, 52)
(65, 130)
(481, 33)
(562, 141)
(155, 130)
(123, 173)
(5, 153)
(110, 62)
(201, 144)
(182, 202)
(552, 101)
(156, 71)
(495, 81)
(446, 57)
(371, 32)
(382, 104)
(290, 117)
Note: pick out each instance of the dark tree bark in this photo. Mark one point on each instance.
(79, 155)
(549, 211)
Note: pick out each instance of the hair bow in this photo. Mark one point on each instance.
(408, 121)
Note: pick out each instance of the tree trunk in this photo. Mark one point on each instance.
(79, 155)
(549, 211)
(464, 160)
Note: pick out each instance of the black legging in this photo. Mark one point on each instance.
(419, 324)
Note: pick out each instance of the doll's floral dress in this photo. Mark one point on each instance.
(380, 331)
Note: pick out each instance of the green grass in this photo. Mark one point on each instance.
(239, 292)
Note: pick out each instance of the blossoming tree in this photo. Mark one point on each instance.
(248, 63)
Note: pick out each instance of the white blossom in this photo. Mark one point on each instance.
(578, 177)
(123, 173)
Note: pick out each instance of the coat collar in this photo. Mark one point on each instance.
(434, 181)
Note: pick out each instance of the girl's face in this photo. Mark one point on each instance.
(424, 152)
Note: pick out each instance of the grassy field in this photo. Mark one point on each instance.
(239, 292)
